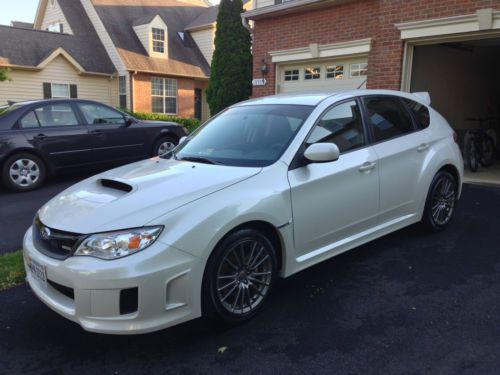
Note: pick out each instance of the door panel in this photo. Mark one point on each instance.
(333, 201)
(55, 130)
(401, 162)
(112, 140)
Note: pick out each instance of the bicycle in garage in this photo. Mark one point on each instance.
(479, 147)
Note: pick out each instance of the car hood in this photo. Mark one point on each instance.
(133, 195)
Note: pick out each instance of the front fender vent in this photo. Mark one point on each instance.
(117, 185)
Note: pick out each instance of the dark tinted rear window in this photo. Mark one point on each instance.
(7, 109)
(421, 113)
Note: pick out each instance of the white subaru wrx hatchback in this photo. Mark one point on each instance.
(266, 188)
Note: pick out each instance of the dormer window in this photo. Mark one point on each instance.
(158, 37)
(55, 27)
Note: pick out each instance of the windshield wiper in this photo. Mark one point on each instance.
(198, 159)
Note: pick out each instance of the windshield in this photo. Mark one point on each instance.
(246, 136)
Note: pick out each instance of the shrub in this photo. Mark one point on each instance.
(190, 124)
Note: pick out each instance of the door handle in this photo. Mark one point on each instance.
(40, 136)
(423, 147)
(95, 131)
(368, 166)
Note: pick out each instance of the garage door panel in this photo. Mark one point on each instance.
(290, 81)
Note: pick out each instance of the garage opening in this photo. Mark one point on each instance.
(463, 81)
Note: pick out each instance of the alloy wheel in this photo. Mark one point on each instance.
(244, 276)
(443, 200)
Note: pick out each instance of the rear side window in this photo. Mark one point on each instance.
(56, 115)
(29, 121)
(341, 125)
(387, 117)
(421, 113)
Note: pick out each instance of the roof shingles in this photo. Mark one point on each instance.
(29, 47)
(183, 59)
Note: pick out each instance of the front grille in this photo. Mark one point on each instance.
(52, 242)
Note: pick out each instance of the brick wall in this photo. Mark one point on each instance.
(185, 94)
(357, 20)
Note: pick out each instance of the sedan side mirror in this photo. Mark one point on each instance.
(322, 152)
(182, 139)
(129, 121)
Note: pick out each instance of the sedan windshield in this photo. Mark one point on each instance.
(246, 136)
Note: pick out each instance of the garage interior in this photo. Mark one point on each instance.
(463, 79)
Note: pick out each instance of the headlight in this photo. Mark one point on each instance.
(114, 245)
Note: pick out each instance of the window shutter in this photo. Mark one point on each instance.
(47, 90)
(61, 28)
(73, 91)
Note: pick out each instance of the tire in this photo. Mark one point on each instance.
(472, 159)
(164, 145)
(32, 172)
(441, 201)
(488, 151)
(239, 276)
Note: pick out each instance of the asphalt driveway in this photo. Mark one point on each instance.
(409, 303)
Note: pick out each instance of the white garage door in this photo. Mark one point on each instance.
(323, 76)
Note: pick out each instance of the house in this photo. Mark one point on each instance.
(450, 48)
(146, 55)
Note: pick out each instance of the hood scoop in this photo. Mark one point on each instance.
(116, 185)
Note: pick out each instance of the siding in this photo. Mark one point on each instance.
(26, 85)
(205, 41)
(263, 3)
(142, 32)
(54, 14)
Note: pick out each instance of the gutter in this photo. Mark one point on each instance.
(289, 7)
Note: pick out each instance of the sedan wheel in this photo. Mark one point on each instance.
(23, 172)
(164, 145)
(240, 275)
(441, 201)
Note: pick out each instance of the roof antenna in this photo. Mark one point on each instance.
(362, 83)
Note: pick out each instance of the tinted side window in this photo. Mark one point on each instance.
(421, 113)
(341, 125)
(96, 114)
(29, 121)
(387, 117)
(56, 115)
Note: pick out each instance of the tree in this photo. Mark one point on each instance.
(4, 74)
(231, 77)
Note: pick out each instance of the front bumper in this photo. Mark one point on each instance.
(90, 291)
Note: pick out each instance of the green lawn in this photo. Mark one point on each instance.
(11, 270)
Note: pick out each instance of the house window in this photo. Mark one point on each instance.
(60, 91)
(292, 75)
(158, 40)
(359, 70)
(312, 73)
(335, 71)
(164, 95)
(55, 27)
(122, 88)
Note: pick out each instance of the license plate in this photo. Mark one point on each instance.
(37, 270)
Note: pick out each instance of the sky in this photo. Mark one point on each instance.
(24, 10)
(17, 10)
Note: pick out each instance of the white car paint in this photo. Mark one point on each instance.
(317, 210)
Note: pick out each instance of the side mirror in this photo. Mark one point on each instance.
(129, 121)
(182, 139)
(322, 152)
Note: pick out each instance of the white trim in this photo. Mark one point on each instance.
(62, 52)
(313, 51)
(482, 20)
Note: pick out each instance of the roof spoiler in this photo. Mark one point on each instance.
(423, 97)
